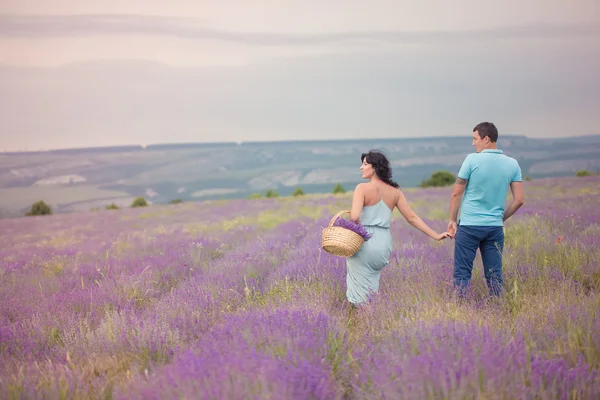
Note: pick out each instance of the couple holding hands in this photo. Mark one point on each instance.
(480, 192)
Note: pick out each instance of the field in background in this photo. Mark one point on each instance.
(235, 299)
(19, 198)
(84, 179)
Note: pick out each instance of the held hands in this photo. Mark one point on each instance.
(452, 228)
(442, 236)
(450, 234)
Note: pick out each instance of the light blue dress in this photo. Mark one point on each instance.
(363, 269)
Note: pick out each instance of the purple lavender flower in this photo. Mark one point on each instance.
(355, 227)
(237, 300)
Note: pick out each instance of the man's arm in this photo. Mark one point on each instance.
(518, 199)
(455, 198)
(462, 178)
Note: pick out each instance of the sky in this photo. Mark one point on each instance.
(100, 73)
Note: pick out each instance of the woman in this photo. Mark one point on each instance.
(372, 205)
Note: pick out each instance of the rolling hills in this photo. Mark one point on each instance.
(87, 178)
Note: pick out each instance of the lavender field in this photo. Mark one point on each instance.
(236, 300)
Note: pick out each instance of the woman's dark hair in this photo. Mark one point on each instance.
(381, 165)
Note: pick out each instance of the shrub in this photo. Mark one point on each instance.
(112, 206)
(584, 172)
(271, 193)
(139, 202)
(39, 208)
(298, 192)
(255, 196)
(439, 179)
(176, 201)
(527, 178)
(338, 189)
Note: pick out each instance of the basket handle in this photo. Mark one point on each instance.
(336, 216)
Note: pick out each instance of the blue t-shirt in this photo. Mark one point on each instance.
(489, 174)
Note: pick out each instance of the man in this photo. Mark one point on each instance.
(483, 179)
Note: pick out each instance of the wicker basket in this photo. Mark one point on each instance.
(340, 241)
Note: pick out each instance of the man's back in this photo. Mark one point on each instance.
(481, 186)
(489, 174)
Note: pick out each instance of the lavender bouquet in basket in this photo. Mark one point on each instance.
(355, 227)
(336, 238)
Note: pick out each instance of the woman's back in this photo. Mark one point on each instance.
(364, 267)
(372, 205)
(379, 201)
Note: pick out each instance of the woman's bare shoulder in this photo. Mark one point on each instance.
(397, 192)
(361, 186)
(392, 190)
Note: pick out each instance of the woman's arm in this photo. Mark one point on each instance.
(358, 201)
(415, 221)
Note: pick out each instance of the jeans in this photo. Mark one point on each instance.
(490, 242)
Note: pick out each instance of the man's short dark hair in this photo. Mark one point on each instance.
(487, 129)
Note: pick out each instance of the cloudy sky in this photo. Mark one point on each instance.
(95, 73)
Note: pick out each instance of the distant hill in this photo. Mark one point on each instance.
(82, 179)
